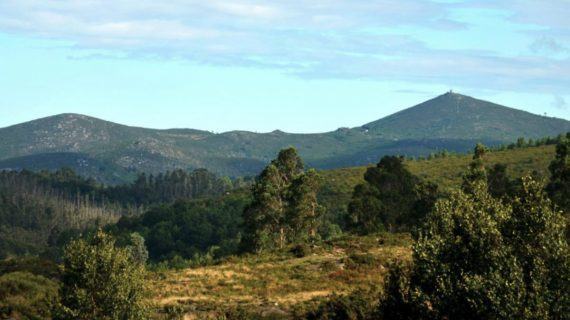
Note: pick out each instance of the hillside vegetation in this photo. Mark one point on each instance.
(446, 172)
(111, 152)
(277, 248)
(279, 284)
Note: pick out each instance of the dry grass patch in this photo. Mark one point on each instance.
(279, 281)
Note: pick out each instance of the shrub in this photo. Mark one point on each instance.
(301, 250)
(101, 281)
(356, 306)
(25, 295)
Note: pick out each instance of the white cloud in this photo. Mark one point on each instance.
(317, 39)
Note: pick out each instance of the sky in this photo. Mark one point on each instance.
(297, 66)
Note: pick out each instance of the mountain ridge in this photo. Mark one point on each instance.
(450, 121)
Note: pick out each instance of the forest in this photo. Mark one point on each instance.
(482, 235)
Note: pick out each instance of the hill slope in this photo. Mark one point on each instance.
(455, 116)
(451, 121)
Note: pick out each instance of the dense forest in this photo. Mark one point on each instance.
(44, 209)
(493, 246)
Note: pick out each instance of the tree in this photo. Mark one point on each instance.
(478, 257)
(101, 281)
(138, 248)
(463, 266)
(284, 204)
(304, 211)
(535, 232)
(391, 196)
(498, 181)
(559, 186)
(476, 174)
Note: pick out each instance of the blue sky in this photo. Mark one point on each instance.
(298, 66)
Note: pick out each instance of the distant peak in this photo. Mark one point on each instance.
(70, 116)
(452, 93)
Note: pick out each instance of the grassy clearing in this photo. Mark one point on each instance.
(278, 284)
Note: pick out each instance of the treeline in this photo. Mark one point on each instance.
(45, 209)
(519, 144)
(36, 208)
(170, 186)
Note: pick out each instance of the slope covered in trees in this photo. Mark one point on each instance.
(467, 259)
(111, 151)
(43, 209)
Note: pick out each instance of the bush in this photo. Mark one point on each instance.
(33, 265)
(330, 231)
(356, 306)
(101, 281)
(356, 260)
(26, 296)
(301, 250)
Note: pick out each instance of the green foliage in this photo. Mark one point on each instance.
(391, 197)
(101, 281)
(477, 257)
(559, 186)
(356, 306)
(498, 181)
(284, 208)
(476, 173)
(301, 250)
(33, 265)
(36, 207)
(464, 266)
(535, 232)
(396, 302)
(188, 228)
(26, 296)
(169, 187)
(138, 248)
(329, 231)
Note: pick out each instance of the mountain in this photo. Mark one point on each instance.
(113, 152)
(455, 116)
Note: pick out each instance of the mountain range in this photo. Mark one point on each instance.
(113, 153)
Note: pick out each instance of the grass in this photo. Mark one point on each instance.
(278, 283)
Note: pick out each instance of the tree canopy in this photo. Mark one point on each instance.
(101, 281)
(284, 209)
(390, 198)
